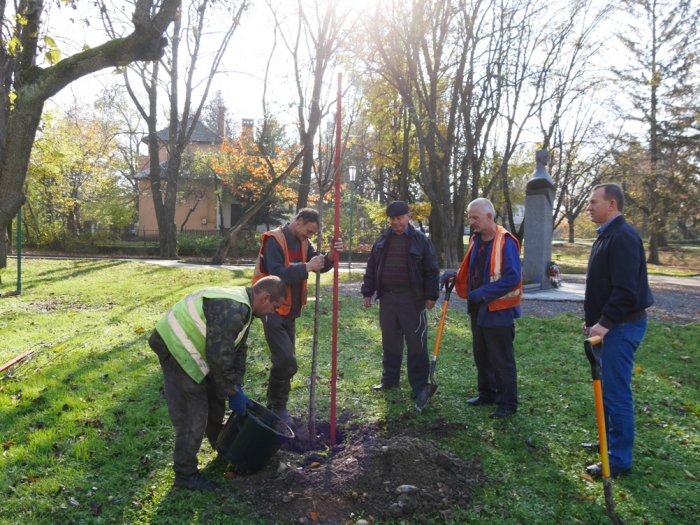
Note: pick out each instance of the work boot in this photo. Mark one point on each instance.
(478, 401)
(284, 415)
(277, 397)
(384, 385)
(196, 481)
(593, 447)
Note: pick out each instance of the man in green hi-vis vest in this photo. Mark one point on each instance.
(201, 344)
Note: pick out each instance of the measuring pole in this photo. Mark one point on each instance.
(19, 250)
(336, 260)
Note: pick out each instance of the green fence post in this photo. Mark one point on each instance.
(19, 251)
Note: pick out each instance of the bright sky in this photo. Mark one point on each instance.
(242, 72)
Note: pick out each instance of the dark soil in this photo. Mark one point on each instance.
(374, 475)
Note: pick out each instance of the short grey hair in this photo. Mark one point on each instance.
(484, 206)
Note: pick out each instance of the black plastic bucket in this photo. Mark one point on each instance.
(248, 442)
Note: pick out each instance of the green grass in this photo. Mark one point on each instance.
(85, 419)
(676, 261)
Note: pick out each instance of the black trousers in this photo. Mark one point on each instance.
(401, 318)
(193, 407)
(494, 356)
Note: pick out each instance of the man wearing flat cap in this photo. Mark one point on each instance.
(403, 271)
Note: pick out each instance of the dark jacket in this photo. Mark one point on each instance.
(617, 287)
(423, 268)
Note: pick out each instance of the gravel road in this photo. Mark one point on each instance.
(672, 303)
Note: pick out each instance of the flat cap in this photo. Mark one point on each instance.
(397, 208)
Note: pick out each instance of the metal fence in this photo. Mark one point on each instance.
(152, 235)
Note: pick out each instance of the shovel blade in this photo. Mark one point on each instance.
(430, 389)
(609, 502)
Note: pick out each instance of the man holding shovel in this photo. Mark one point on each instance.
(403, 271)
(617, 295)
(490, 278)
(201, 344)
(287, 253)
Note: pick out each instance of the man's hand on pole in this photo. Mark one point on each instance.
(337, 246)
(316, 264)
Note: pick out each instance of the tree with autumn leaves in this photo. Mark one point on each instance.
(254, 168)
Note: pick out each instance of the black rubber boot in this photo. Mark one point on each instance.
(277, 397)
(196, 481)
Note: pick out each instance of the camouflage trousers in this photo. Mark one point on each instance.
(280, 334)
(193, 407)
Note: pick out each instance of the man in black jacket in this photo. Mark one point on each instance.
(617, 295)
(403, 271)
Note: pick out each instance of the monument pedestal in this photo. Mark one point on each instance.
(539, 199)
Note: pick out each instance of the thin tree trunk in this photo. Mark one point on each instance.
(571, 230)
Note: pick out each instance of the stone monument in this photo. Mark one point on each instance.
(539, 203)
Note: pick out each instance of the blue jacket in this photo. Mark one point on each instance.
(510, 278)
(423, 268)
(617, 287)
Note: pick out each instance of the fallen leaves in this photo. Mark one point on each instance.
(96, 509)
(7, 444)
(685, 358)
(229, 475)
(587, 477)
(690, 475)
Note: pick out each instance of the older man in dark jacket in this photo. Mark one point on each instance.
(403, 271)
(617, 296)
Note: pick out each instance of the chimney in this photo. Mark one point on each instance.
(221, 122)
(247, 125)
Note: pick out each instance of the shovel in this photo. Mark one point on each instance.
(432, 387)
(588, 345)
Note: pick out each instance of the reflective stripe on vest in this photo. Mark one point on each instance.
(509, 300)
(184, 328)
(258, 273)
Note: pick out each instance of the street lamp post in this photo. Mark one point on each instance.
(352, 171)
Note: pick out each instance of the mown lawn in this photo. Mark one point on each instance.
(679, 261)
(85, 423)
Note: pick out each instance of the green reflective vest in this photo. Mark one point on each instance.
(184, 328)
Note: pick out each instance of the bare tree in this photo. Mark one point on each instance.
(189, 28)
(313, 47)
(25, 86)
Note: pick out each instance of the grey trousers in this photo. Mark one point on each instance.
(401, 318)
(193, 407)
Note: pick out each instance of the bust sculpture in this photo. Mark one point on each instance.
(540, 177)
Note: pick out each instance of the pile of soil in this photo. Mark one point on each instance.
(370, 477)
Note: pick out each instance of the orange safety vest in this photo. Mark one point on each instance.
(510, 299)
(258, 274)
